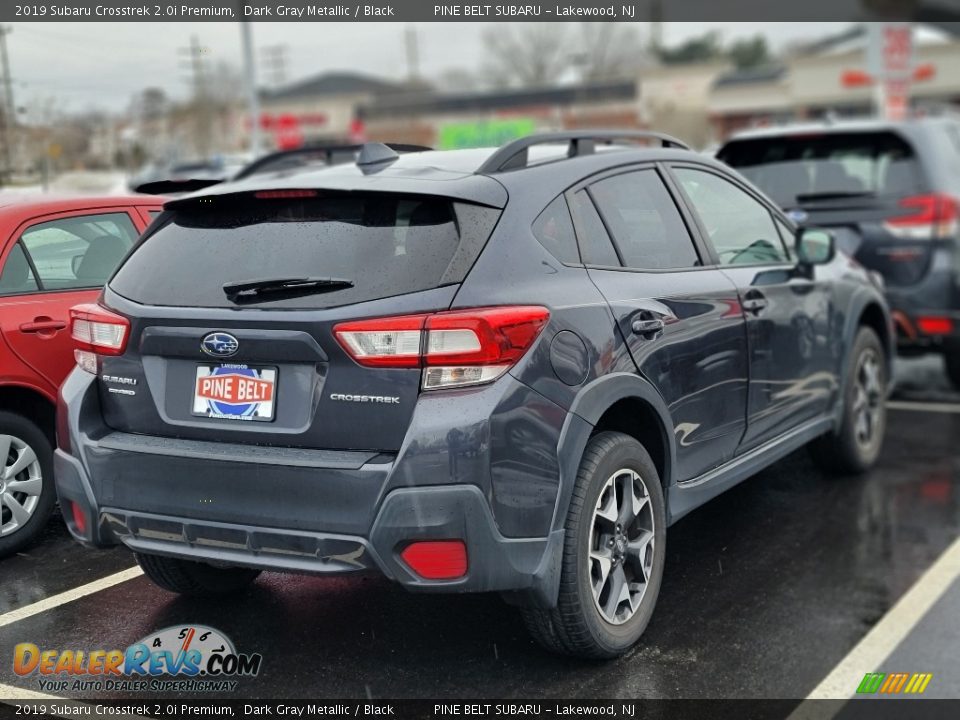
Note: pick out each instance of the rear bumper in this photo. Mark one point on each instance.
(914, 338)
(319, 511)
(935, 299)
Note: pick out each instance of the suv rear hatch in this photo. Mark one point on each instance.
(232, 301)
(867, 185)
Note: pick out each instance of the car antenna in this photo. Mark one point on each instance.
(374, 157)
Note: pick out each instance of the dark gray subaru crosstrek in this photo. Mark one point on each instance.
(488, 370)
(890, 193)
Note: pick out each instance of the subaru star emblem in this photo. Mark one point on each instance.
(797, 215)
(220, 344)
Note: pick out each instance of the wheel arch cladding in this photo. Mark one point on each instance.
(32, 405)
(623, 402)
(872, 316)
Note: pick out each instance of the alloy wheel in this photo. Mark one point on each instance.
(21, 482)
(867, 399)
(621, 546)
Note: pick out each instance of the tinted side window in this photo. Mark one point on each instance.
(554, 230)
(740, 228)
(595, 245)
(17, 276)
(644, 221)
(79, 252)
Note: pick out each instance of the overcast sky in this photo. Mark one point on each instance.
(86, 65)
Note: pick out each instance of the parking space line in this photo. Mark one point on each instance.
(877, 645)
(69, 596)
(924, 406)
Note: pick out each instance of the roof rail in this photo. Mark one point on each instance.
(329, 154)
(514, 155)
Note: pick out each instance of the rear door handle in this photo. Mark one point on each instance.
(647, 326)
(42, 326)
(754, 302)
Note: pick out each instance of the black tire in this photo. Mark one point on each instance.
(577, 626)
(844, 452)
(196, 579)
(951, 362)
(26, 432)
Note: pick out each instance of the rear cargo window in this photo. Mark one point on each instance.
(384, 244)
(795, 169)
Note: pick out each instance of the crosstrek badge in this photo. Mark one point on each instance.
(235, 392)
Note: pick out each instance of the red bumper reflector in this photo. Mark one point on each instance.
(437, 559)
(935, 325)
(79, 517)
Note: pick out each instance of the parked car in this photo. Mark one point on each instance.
(485, 370)
(155, 177)
(54, 253)
(889, 191)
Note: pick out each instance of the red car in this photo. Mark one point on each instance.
(54, 254)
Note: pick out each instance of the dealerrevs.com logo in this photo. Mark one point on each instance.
(192, 658)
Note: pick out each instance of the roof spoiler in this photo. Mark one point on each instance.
(331, 154)
(175, 187)
(514, 155)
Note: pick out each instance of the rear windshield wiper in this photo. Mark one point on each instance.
(839, 195)
(277, 288)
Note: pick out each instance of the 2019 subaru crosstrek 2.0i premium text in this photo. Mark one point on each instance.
(488, 370)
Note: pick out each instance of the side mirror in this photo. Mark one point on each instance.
(75, 263)
(815, 246)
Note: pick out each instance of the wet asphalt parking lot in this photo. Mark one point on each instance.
(766, 589)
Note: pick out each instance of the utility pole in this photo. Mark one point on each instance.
(203, 132)
(250, 80)
(9, 108)
(413, 54)
(656, 26)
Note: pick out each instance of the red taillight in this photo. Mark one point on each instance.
(96, 330)
(932, 216)
(386, 342)
(437, 559)
(935, 325)
(456, 348)
(79, 517)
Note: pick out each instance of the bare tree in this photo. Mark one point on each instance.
(526, 54)
(609, 51)
(456, 80)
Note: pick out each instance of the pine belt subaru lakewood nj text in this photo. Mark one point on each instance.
(483, 370)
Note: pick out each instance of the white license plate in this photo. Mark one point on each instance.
(235, 392)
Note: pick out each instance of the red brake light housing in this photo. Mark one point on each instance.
(79, 517)
(97, 331)
(930, 217)
(455, 349)
(935, 325)
(436, 559)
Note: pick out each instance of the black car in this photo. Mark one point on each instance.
(889, 192)
(486, 370)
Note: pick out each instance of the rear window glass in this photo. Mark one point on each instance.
(385, 244)
(797, 169)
